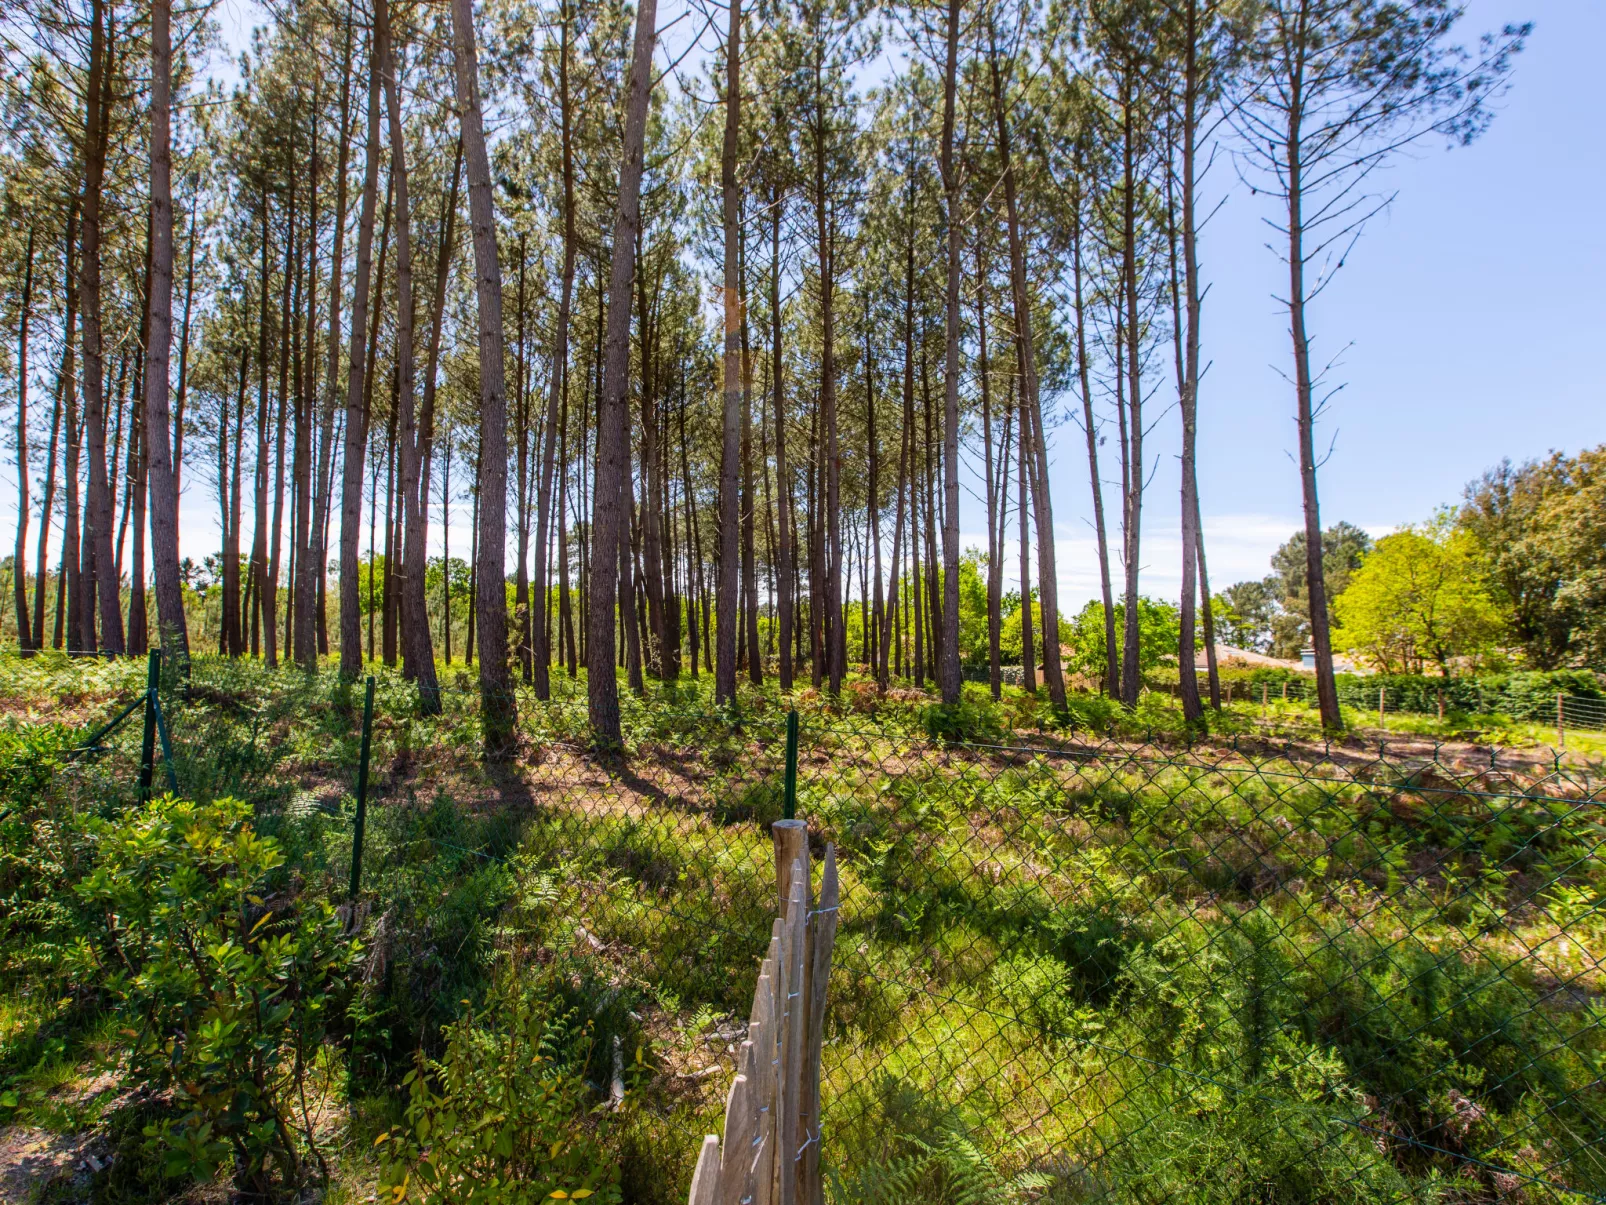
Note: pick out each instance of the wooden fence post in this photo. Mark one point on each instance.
(1561, 720)
(770, 1151)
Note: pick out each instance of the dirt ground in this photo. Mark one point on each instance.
(31, 1159)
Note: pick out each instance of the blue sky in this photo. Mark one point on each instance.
(1470, 311)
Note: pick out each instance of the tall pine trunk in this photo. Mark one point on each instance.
(98, 517)
(1192, 537)
(47, 503)
(26, 639)
(1315, 576)
(729, 567)
(783, 475)
(1131, 678)
(1111, 682)
(611, 498)
(948, 673)
(310, 605)
(560, 375)
(299, 639)
(356, 440)
(418, 647)
(1031, 410)
(498, 710)
(995, 566)
(66, 412)
(287, 315)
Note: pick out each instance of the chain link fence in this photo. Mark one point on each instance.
(1069, 967)
(1558, 710)
(1075, 968)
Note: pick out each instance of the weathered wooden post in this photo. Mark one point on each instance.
(769, 1154)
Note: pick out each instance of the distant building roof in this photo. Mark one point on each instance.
(1226, 654)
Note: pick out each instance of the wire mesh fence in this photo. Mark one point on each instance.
(1083, 969)
(1069, 968)
(1090, 969)
(1557, 709)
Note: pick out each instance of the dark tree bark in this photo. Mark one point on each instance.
(26, 639)
(64, 628)
(98, 517)
(1131, 678)
(995, 566)
(1090, 429)
(783, 474)
(311, 602)
(749, 628)
(1023, 442)
(725, 591)
(932, 468)
(259, 538)
(1188, 363)
(233, 628)
(1315, 572)
(521, 483)
(873, 650)
(694, 544)
(1207, 611)
(418, 647)
(356, 442)
(893, 609)
(270, 594)
(648, 527)
(47, 504)
(560, 375)
(1031, 410)
(498, 709)
(565, 605)
(138, 621)
(183, 364)
(948, 673)
(609, 514)
(299, 636)
(443, 271)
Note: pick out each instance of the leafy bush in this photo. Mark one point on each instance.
(227, 987)
(38, 849)
(968, 721)
(505, 1117)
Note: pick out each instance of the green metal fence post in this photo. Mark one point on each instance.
(361, 822)
(789, 804)
(147, 749)
(167, 748)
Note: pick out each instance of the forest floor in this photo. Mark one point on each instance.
(1039, 923)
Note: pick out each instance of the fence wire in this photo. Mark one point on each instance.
(1560, 710)
(1069, 968)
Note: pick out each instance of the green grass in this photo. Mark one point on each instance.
(1113, 968)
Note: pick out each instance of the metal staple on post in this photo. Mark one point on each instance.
(789, 801)
(361, 821)
(147, 748)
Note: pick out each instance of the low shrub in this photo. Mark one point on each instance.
(226, 986)
(505, 1117)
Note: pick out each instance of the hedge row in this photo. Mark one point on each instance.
(1523, 696)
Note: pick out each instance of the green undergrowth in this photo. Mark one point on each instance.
(1084, 954)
